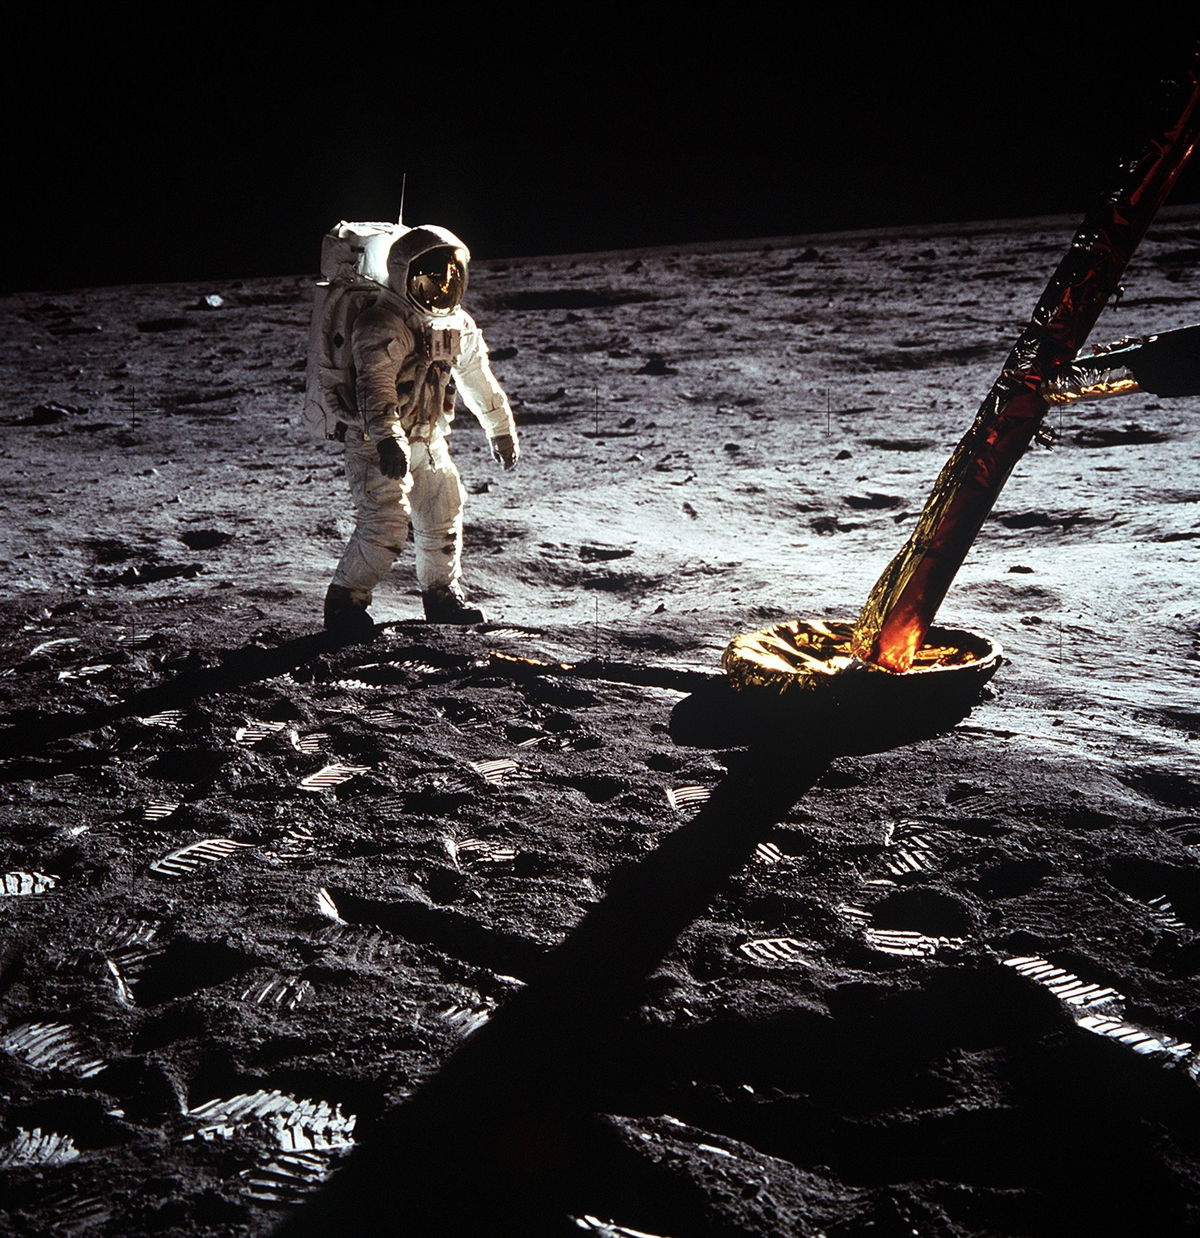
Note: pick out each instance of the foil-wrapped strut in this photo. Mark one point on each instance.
(901, 606)
(1165, 364)
(1082, 383)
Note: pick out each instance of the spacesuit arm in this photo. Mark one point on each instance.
(481, 392)
(379, 349)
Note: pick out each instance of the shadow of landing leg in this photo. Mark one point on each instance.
(504, 1139)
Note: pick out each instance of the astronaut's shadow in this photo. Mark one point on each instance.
(246, 665)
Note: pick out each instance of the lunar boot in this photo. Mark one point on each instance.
(346, 617)
(446, 604)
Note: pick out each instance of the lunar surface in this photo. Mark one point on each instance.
(459, 931)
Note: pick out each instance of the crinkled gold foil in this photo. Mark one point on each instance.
(808, 655)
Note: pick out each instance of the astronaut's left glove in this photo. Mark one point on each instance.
(393, 459)
(505, 450)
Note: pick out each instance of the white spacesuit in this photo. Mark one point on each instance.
(412, 350)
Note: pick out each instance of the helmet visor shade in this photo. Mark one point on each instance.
(437, 280)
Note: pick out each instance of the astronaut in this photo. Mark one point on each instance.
(412, 350)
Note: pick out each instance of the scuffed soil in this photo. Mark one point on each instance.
(544, 962)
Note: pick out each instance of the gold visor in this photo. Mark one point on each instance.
(437, 280)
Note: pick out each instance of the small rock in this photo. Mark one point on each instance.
(47, 414)
(205, 539)
(871, 501)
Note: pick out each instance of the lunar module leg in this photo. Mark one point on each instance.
(905, 599)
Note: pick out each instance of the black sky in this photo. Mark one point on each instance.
(184, 144)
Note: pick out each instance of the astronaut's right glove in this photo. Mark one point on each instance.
(393, 459)
(505, 450)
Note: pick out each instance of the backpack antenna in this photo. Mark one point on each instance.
(403, 185)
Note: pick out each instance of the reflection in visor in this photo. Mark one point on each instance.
(437, 280)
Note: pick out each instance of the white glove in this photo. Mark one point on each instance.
(505, 451)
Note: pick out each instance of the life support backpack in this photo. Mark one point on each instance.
(353, 269)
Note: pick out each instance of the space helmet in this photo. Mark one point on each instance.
(427, 266)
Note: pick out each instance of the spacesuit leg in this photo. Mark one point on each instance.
(381, 528)
(436, 503)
